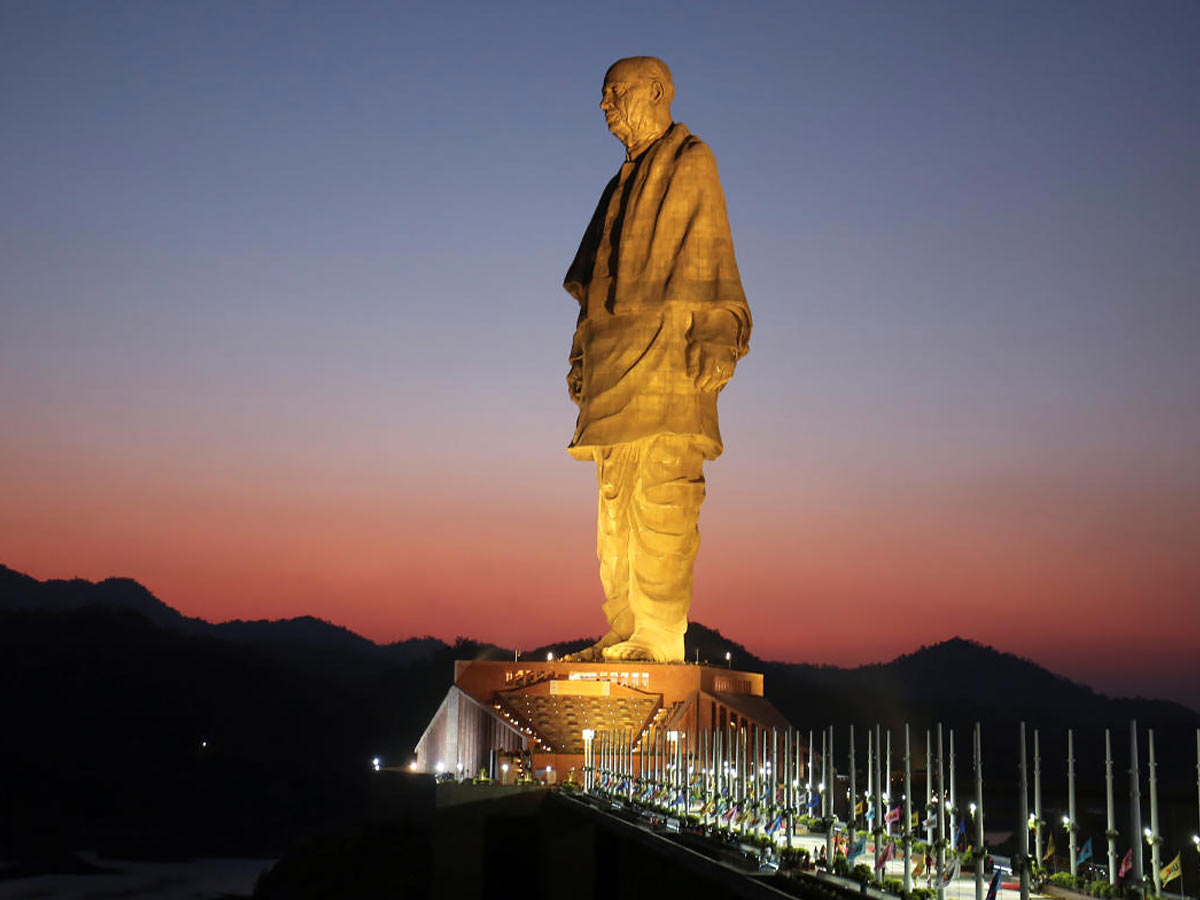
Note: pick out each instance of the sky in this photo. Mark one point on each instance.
(282, 329)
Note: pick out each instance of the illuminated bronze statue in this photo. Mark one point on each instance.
(662, 323)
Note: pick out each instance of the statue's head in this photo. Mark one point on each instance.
(636, 99)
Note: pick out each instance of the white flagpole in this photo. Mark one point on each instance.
(831, 793)
(941, 822)
(876, 819)
(928, 787)
(1155, 838)
(1023, 823)
(1111, 830)
(885, 788)
(1135, 806)
(907, 831)
(852, 816)
(1071, 828)
(1037, 795)
(952, 806)
(980, 851)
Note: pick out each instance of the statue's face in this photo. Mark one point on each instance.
(628, 100)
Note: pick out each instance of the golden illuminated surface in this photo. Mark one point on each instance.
(662, 323)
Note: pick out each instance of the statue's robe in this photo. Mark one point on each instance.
(654, 275)
(658, 292)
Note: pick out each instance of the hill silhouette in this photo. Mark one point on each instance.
(133, 725)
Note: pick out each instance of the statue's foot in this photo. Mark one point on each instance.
(648, 649)
(595, 653)
(631, 650)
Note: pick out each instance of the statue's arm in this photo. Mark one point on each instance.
(719, 332)
(717, 339)
(575, 375)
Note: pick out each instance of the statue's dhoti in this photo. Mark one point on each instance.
(647, 537)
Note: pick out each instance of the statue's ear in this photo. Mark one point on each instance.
(657, 92)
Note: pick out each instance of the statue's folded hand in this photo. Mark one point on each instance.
(575, 382)
(710, 365)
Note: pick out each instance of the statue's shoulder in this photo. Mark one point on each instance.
(694, 156)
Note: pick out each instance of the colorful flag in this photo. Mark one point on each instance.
(1126, 864)
(858, 808)
(961, 837)
(775, 823)
(889, 852)
(918, 868)
(994, 887)
(1049, 854)
(814, 800)
(860, 846)
(915, 818)
(870, 812)
(951, 871)
(893, 815)
(1171, 870)
(1085, 852)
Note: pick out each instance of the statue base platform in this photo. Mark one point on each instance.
(518, 720)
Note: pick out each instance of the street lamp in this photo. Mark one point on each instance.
(728, 660)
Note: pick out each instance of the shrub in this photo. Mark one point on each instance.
(862, 874)
(893, 885)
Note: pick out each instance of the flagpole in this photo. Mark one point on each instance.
(941, 822)
(1037, 795)
(907, 814)
(980, 851)
(885, 789)
(823, 787)
(1071, 828)
(1135, 807)
(1023, 824)
(1155, 839)
(775, 777)
(789, 793)
(876, 808)
(928, 786)
(832, 794)
(853, 816)
(1111, 831)
(869, 815)
(952, 806)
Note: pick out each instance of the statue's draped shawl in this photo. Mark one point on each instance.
(654, 275)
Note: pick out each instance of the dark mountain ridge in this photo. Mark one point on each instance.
(132, 724)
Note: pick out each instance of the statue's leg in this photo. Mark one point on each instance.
(616, 471)
(664, 540)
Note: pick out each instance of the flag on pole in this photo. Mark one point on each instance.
(918, 868)
(870, 812)
(915, 818)
(860, 846)
(1085, 852)
(1049, 854)
(814, 800)
(994, 887)
(952, 871)
(893, 815)
(1126, 864)
(889, 852)
(858, 808)
(1171, 870)
(961, 836)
